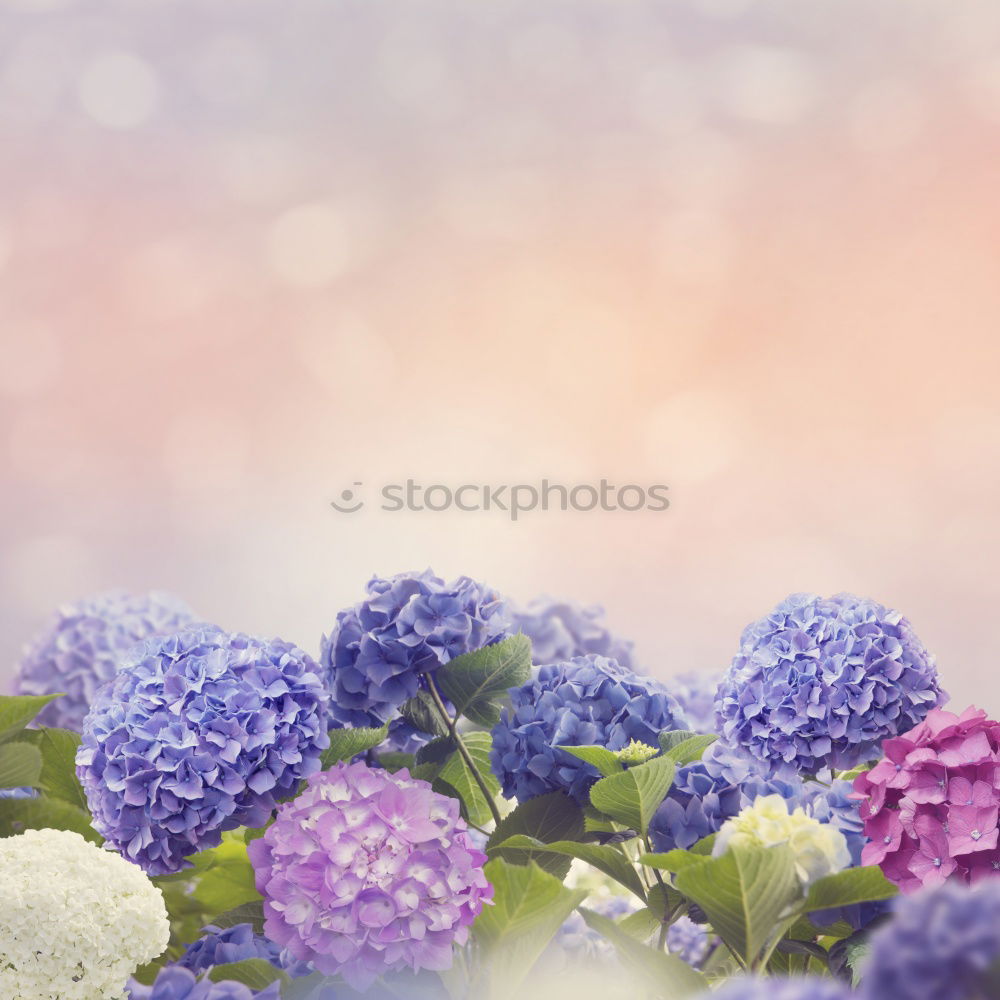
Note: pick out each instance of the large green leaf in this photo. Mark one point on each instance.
(20, 766)
(605, 760)
(456, 774)
(348, 743)
(223, 876)
(666, 976)
(672, 861)
(247, 913)
(18, 815)
(603, 857)
(744, 892)
(421, 713)
(634, 795)
(17, 710)
(257, 973)
(58, 749)
(855, 885)
(529, 906)
(687, 749)
(477, 682)
(547, 818)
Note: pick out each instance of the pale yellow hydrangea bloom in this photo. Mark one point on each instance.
(819, 849)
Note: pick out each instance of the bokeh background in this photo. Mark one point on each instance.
(251, 253)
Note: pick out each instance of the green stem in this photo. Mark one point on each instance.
(463, 750)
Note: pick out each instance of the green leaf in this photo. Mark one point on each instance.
(17, 710)
(529, 906)
(642, 925)
(223, 876)
(547, 818)
(346, 744)
(663, 900)
(667, 976)
(744, 892)
(672, 861)
(257, 973)
(247, 913)
(58, 749)
(456, 774)
(421, 713)
(600, 757)
(605, 858)
(20, 766)
(634, 795)
(394, 761)
(688, 750)
(855, 885)
(18, 815)
(477, 682)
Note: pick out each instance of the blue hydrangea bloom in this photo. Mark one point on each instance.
(709, 791)
(560, 630)
(18, 793)
(236, 944)
(406, 627)
(586, 701)
(577, 939)
(200, 732)
(688, 940)
(696, 694)
(177, 983)
(82, 645)
(939, 945)
(820, 682)
(784, 988)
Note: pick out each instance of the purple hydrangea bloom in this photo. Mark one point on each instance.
(586, 701)
(176, 983)
(200, 732)
(235, 944)
(709, 791)
(18, 793)
(689, 941)
(939, 945)
(576, 938)
(560, 630)
(696, 694)
(367, 872)
(821, 682)
(82, 646)
(784, 988)
(408, 625)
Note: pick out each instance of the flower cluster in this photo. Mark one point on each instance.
(584, 701)
(820, 682)
(200, 732)
(939, 944)
(75, 921)
(82, 645)
(367, 872)
(408, 625)
(696, 694)
(560, 630)
(689, 941)
(576, 939)
(819, 849)
(236, 944)
(930, 806)
(177, 983)
(783, 988)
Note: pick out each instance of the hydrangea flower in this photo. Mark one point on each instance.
(710, 791)
(576, 939)
(819, 849)
(696, 694)
(75, 921)
(368, 872)
(236, 944)
(560, 630)
(82, 646)
(782, 988)
(939, 944)
(17, 793)
(821, 682)
(589, 700)
(177, 983)
(930, 806)
(688, 941)
(200, 732)
(408, 625)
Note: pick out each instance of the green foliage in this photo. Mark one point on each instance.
(257, 973)
(20, 766)
(546, 818)
(222, 877)
(58, 775)
(684, 747)
(855, 885)
(421, 713)
(457, 776)
(606, 761)
(634, 795)
(346, 744)
(18, 710)
(248, 913)
(18, 815)
(476, 683)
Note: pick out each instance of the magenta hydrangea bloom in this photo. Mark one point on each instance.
(367, 873)
(930, 806)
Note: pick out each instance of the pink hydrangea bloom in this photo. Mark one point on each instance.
(368, 872)
(931, 805)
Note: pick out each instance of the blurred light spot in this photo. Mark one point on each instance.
(205, 449)
(118, 90)
(666, 100)
(695, 247)
(694, 436)
(345, 355)
(773, 86)
(310, 245)
(414, 74)
(258, 168)
(167, 280)
(45, 571)
(231, 69)
(885, 116)
(31, 357)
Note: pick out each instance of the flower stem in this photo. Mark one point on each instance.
(452, 725)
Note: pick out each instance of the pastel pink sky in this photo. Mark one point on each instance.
(745, 249)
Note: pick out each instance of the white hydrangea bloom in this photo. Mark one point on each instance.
(75, 921)
(819, 848)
